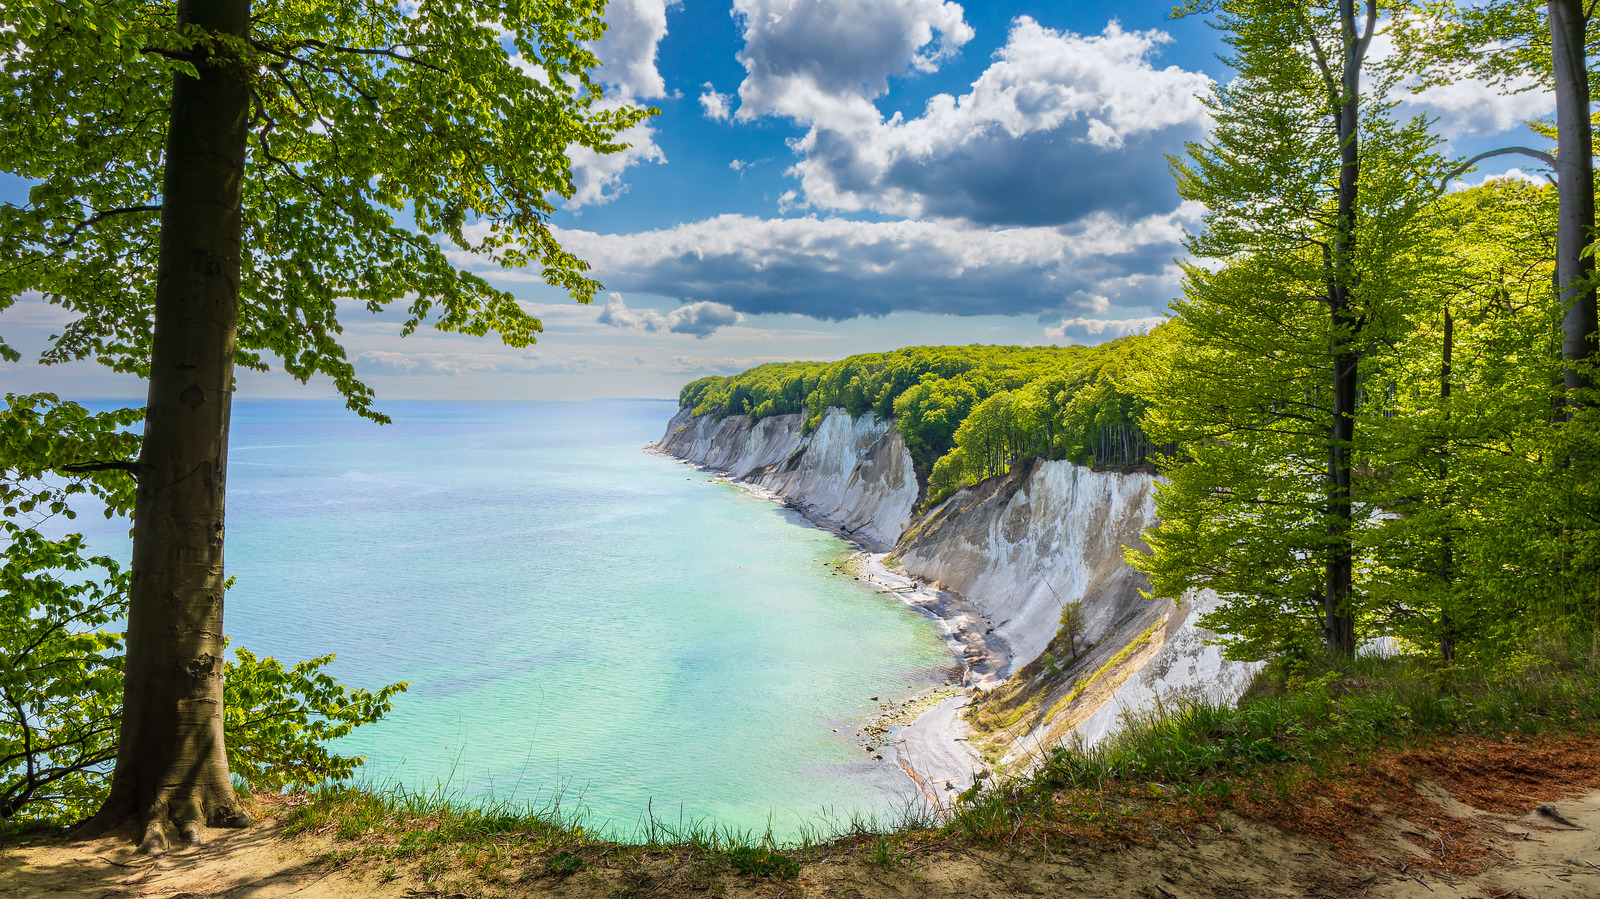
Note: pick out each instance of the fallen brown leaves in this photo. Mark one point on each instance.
(1364, 810)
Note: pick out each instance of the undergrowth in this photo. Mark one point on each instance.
(1295, 722)
(462, 846)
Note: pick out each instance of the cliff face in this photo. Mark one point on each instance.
(1021, 546)
(853, 474)
(1013, 548)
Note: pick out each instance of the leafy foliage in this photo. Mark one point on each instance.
(1487, 490)
(762, 861)
(373, 140)
(383, 139)
(61, 643)
(279, 721)
(1081, 412)
(60, 674)
(40, 434)
(1267, 384)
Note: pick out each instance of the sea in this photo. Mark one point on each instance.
(586, 627)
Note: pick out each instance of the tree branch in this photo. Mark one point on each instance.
(92, 467)
(77, 229)
(1371, 26)
(172, 54)
(1540, 155)
(389, 53)
(1321, 60)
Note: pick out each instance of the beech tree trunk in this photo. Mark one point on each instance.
(171, 777)
(1338, 616)
(1447, 558)
(1574, 186)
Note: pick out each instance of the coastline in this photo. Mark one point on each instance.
(931, 745)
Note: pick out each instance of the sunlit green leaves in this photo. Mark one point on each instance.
(61, 643)
(278, 721)
(1310, 245)
(51, 450)
(60, 674)
(383, 138)
(61, 614)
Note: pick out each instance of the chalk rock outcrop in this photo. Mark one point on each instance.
(854, 474)
(1021, 546)
(1187, 666)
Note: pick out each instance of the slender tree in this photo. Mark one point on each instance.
(210, 183)
(1312, 193)
(1467, 481)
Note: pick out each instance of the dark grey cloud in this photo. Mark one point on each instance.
(837, 269)
(1043, 178)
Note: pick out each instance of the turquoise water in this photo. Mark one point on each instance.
(577, 618)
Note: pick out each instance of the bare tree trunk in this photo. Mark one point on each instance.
(1339, 619)
(171, 775)
(1574, 186)
(1447, 624)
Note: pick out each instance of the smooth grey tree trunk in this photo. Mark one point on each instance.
(1574, 186)
(1338, 615)
(171, 777)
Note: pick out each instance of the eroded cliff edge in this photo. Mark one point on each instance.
(1010, 552)
(852, 474)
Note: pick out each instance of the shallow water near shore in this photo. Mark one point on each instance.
(577, 618)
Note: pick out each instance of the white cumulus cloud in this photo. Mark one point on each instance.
(816, 60)
(1466, 106)
(718, 107)
(1059, 127)
(832, 268)
(634, 29)
(700, 319)
(1098, 330)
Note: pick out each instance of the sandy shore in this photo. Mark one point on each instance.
(932, 748)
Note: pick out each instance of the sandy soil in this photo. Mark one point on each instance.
(1552, 853)
(935, 753)
(240, 864)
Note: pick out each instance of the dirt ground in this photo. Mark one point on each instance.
(1470, 820)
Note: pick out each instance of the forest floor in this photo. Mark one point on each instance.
(1454, 818)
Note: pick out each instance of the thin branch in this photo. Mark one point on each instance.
(1318, 55)
(27, 745)
(172, 54)
(363, 51)
(92, 467)
(1540, 155)
(96, 218)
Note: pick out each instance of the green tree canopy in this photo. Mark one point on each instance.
(1313, 194)
(381, 138)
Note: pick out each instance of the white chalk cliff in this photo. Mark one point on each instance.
(1013, 548)
(852, 474)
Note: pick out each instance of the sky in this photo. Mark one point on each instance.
(830, 177)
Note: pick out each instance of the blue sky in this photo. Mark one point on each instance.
(830, 177)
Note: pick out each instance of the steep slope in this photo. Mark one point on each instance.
(852, 474)
(1021, 546)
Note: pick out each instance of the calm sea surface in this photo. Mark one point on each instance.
(579, 620)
